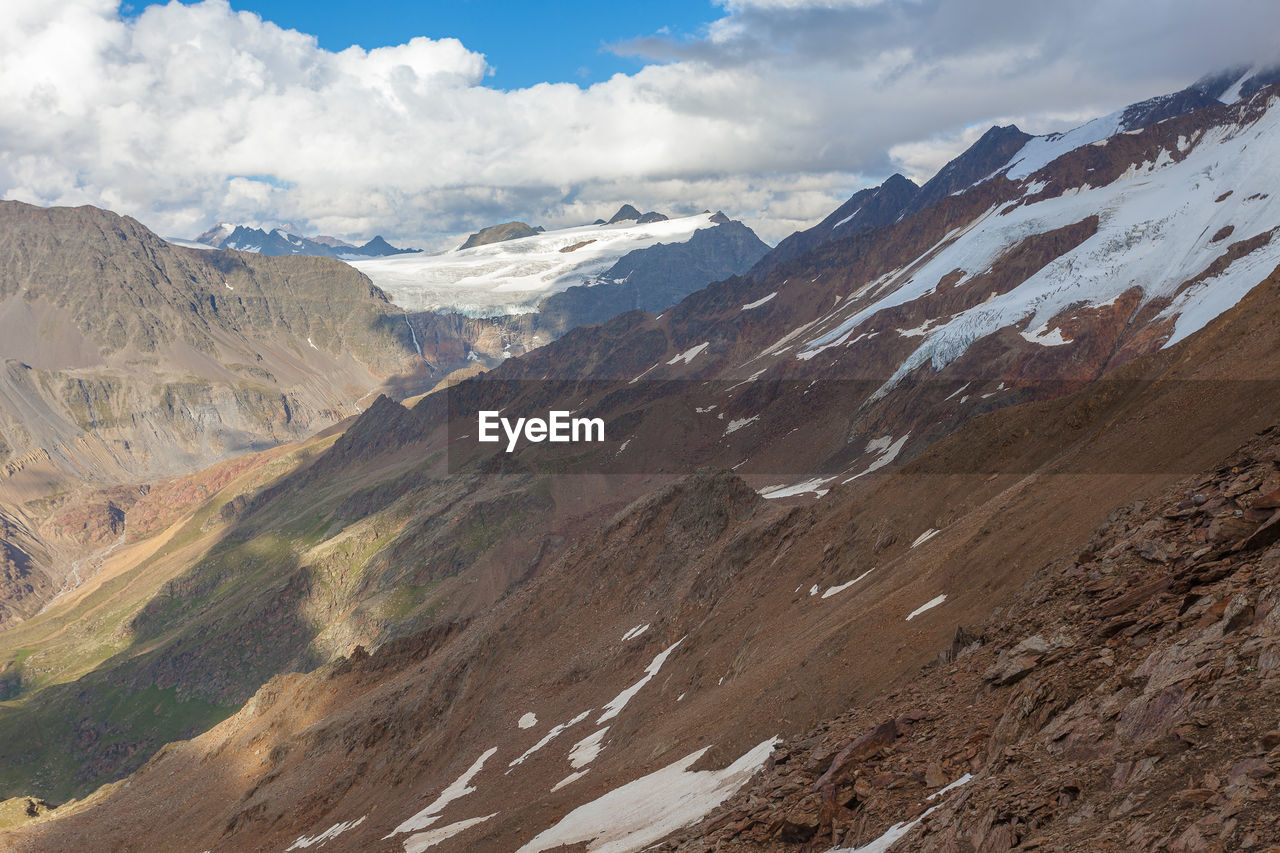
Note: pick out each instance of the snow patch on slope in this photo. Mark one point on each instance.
(1040, 151)
(635, 632)
(585, 751)
(645, 811)
(899, 830)
(548, 737)
(836, 590)
(459, 788)
(424, 840)
(1233, 93)
(620, 701)
(784, 491)
(928, 605)
(326, 836)
(690, 354)
(569, 780)
(925, 537)
(888, 452)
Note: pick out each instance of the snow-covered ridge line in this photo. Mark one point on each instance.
(1159, 225)
(512, 276)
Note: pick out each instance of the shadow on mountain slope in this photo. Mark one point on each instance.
(723, 581)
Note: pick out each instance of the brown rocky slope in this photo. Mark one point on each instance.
(126, 359)
(1125, 699)
(712, 571)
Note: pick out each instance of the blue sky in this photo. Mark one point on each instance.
(524, 42)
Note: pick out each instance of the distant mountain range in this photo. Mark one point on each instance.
(282, 241)
(511, 268)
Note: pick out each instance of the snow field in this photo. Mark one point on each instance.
(511, 277)
(928, 605)
(1156, 228)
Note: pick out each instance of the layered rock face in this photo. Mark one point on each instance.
(125, 356)
(126, 359)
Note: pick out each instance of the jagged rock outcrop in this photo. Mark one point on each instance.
(500, 233)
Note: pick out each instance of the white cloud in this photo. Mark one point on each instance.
(190, 114)
(921, 159)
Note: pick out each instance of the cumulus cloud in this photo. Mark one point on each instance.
(188, 114)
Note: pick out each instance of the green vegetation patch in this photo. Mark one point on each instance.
(70, 739)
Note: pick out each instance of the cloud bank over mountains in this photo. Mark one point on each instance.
(782, 108)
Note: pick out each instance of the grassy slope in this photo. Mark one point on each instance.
(179, 628)
(62, 652)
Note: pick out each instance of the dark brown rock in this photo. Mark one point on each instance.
(1263, 537)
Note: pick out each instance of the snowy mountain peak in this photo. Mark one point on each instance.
(494, 274)
(218, 234)
(1232, 84)
(1175, 219)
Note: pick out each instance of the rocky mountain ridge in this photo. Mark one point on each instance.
(998, 150)
(118, 310)
(126, 359)
(281, 241)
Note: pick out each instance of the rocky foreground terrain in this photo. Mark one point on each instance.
(1127, 698)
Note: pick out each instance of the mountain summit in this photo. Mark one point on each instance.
(511, 268)
(279, 241)
(500, 233)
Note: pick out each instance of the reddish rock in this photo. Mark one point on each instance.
(1271, 500)
(1266, 535)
